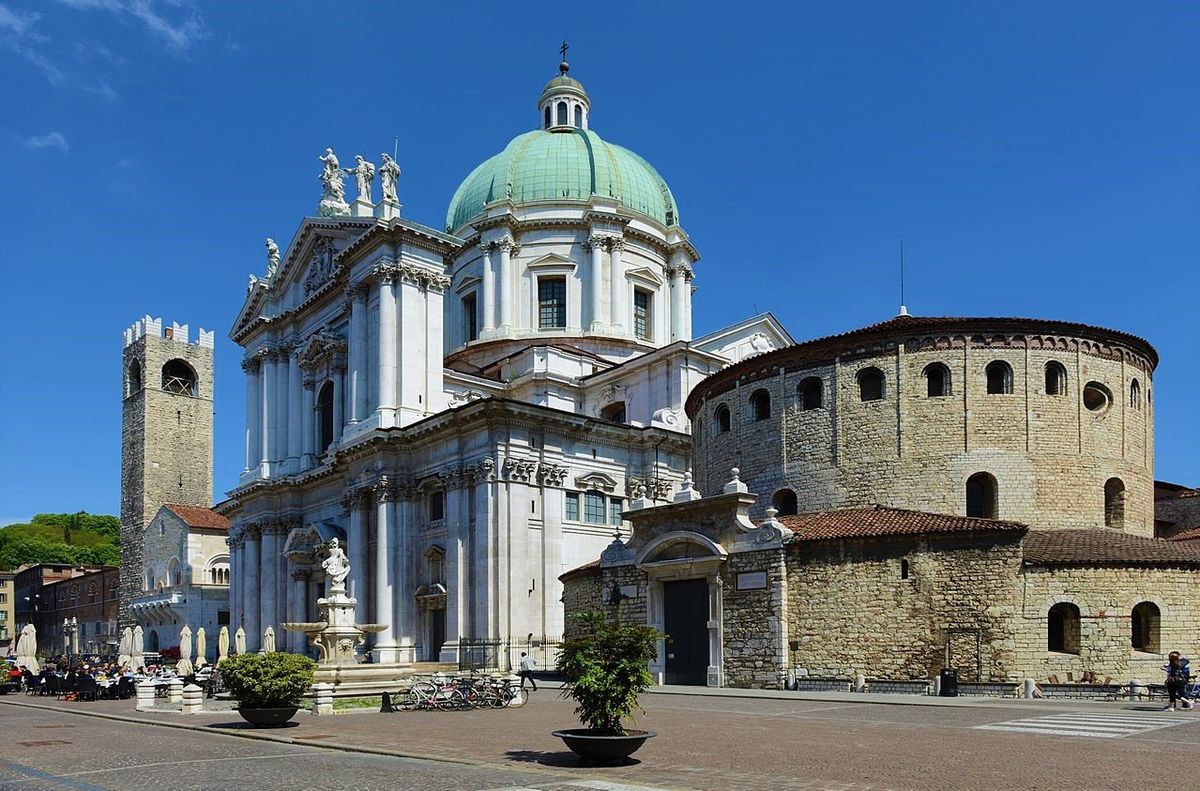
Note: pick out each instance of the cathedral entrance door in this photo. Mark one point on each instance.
(437, 633)
(685, 620)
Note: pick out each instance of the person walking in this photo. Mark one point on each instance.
(1177, 677)
(527, 666)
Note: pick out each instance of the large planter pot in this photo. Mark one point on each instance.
(268, 718)
(603, 749)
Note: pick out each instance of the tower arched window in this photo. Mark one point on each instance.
(547, 125)
(937, 380)
(1056, 379)
(870, 384)
(1145, 624)
(133, 378)
(578, 116)
(562, 114)
(999, 378)
(1135, 394)
(811, 391)
(324, 417)
(1062, 628)
(982, 496)
(1114, 503)
(614, 412)
(760, 405)
(178, 377)
(784, 501)
(721, 419)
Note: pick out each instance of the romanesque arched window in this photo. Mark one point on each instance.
(324, 417)
(173, 575)
(133, 378)
(1135, 394)
(999, 378)
(784, 501)
(1114, 503)
(178, 377)
(811, 391)
(870, 384)
(1056, 378)
(937, 380)
(562, 114)
(578, 116)
(547, 117)
(760, 405)
(1062, 628)
(982, 496)
(721, 419)
(1145, 622)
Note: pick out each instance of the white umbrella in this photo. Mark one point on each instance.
(138, 647)
(125, 647)
(27, 649)
(268, 646)
(184, 666)
(201, 648)
(239, 641)
(223, 644)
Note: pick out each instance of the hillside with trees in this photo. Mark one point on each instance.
(82, 538)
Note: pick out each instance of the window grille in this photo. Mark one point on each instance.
(641, 314)
(572, 501)
(552, 302)
(593, 508)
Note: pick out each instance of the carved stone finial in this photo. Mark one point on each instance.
(687, 490)
(735, 484)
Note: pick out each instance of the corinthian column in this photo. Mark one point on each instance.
(677, 286)
(358, 354)
(293, 411)
(281, 406)
(339, 375)
(267, 411)
(489, 288)
(620, 295)
(386, 283)
(253, 443)
(270, 578)
(357, 538)
(251, 588)
(506, 284)
(385, 640)
(596, 245)
(307, 418)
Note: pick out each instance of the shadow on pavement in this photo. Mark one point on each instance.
(237, 726)
(561, 759)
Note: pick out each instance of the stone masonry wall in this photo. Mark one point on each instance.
(851, 611)
(754, 622)
(1106, 598)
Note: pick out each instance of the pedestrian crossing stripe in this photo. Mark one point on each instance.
(1094, 724)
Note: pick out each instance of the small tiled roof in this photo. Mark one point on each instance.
(1099, 547)
(194, 516)
(1187, 535)
(595, 564)
(877, 521)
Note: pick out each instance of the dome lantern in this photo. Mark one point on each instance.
(564, 104)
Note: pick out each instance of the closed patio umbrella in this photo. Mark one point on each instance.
(239, 641)
(223, 644)
(139, 646)
(27, 649)
(201, 648)
(184, 666)
(125, 647)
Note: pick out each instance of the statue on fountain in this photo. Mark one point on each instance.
(335, 635)
(337, 567)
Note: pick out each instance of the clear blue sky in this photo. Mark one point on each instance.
(1038, 159)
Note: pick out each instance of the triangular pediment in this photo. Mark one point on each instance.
(467, 283)
(756, 335)
(596, 480)
(644, 273)
(551, 261)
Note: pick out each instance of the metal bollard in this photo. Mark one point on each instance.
(860, 683)
(175, 691)
(1030, 688)
(323, 698)
(145, 696)
(193, 699)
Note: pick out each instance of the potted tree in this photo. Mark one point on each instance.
(268, 687)
(606, 669)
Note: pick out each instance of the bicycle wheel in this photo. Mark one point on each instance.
(518, 698)
(450, 699)
(407, 702)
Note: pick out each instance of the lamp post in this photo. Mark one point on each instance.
(70, 628)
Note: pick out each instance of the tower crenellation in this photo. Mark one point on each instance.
(166, 433)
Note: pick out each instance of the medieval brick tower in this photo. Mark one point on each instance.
(166, 434)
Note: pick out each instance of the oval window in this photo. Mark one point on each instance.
(1096, 397)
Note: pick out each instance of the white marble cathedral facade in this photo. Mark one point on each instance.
(469, 410)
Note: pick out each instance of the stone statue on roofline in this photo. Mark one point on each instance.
(364, 173)
(389, 176)
(333, 196)
(272, 257)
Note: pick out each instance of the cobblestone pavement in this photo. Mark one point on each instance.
(707, 742)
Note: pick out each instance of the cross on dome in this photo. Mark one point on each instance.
(564, 104)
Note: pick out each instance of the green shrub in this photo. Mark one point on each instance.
(268, 681)
(606, 669)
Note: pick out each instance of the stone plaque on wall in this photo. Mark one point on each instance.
(751, 580)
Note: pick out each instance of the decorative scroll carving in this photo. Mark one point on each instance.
(658, 488)
(465, 397)
(551, 474)
(519, 469)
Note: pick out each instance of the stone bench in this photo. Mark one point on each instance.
(1083, 691)
(989, 689)
(807, 684)
(898, 686)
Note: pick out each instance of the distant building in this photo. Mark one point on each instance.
(8, 613)
(51, 593)
(1176, 511)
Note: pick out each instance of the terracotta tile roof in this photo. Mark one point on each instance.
(595, 564)
(193, 516)
(881, 521)
(1187, 535)
(1099, 547)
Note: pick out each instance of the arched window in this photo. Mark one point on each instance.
(760, 405)
(1135, 394)
(1114, 503)
(578, 116)
(324, 417)
(811, 390)
(614, 413)
(1096, 397)
(784, 502)
(999, 378)
(1062, 628)
(870, 384)
(133, 380)
(937, 380)
(982, 496)
(904, 568)
(1056, 379)
(178, 377)
(173, 576)
(149, 580)
(721, 419)
(547, 117)
(562, 114)
(152, 639)
(1144, 624)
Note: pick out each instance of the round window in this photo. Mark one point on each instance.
(1096, 397)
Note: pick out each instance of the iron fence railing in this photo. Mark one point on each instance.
(505, 655)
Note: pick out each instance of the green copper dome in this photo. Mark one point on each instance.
(572, 164)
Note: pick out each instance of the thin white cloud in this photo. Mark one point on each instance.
(19, 23)
(19, 35)
(49, 140)
(180, 33)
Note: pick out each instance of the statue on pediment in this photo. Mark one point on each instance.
(272, 257)
(389, 176)
(333, 196)
(364, 173)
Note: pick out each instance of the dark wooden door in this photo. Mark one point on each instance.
(437, 633)
(685, 620)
